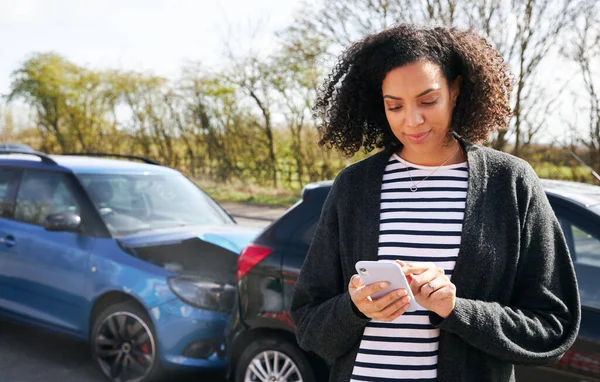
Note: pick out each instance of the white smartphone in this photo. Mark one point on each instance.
(371, 272)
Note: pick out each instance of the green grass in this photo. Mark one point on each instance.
(552, 171)
(249, 193)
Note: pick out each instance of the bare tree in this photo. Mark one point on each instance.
(443, 12)
(191, 119)
(251, 71)
(295, 78)
(537, 33)
(253, 75)
(586, 53)
(524, 31)
(4, 134)
(340, 23)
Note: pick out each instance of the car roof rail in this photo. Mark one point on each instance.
(15, 146)
(45, 158)
(145, 160)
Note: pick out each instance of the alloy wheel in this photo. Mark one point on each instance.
(124, 347)
(272, 366)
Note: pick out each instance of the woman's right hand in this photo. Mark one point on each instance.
(386, 308)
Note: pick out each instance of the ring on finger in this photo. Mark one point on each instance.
(433, 284)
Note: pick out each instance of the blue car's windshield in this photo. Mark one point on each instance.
(131, 203)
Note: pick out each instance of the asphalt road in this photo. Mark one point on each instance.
(251, 215)
(32, 355)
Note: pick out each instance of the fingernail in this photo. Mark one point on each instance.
(383, 285)
(406, 300)
(401, 293)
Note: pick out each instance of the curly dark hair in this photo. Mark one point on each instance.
(350, 107)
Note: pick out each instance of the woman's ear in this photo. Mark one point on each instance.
(455, 89)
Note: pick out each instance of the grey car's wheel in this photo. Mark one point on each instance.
(273, 360)
(124, 344)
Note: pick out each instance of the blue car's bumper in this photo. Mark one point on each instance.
(189, 337)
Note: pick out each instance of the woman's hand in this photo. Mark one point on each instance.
(431, 287)
(386, 308)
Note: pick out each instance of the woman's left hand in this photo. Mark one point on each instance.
(431, 287)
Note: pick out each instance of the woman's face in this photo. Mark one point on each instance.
(418, 105)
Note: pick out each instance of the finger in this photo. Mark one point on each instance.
(446, 291)
(435, 285)
(418, 267)
(366, 305)
(391, 308)
(370, 289)
(406, 272)
(356, 282)
(389, 298)
(420, 280)
(397, 313)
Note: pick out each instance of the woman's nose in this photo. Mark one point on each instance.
(414, 118)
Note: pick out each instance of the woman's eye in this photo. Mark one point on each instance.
(430, 102)
(394, 108)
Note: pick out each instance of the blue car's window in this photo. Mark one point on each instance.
(130, 203)
(42, 194)
(7, 178)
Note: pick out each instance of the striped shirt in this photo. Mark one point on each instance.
(425, 225)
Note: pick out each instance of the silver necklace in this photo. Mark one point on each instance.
(414, 187)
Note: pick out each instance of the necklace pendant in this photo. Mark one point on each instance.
(413, 188)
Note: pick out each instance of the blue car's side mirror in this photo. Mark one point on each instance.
(64, 221)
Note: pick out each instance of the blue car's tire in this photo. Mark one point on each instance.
(124, 344)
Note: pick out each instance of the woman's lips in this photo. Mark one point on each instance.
(418, 138)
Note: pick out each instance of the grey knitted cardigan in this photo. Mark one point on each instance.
(517, 298)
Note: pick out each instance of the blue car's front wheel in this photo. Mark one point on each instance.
(124, 344)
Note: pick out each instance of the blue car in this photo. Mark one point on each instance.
(132, 257)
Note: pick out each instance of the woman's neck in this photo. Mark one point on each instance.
(447, 155)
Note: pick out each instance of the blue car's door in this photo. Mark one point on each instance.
(46, 277)
(8, 248)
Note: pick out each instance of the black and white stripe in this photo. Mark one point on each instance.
(425, 225)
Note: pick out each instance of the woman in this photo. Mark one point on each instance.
(471, 226)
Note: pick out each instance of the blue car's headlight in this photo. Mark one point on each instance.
(204, 294)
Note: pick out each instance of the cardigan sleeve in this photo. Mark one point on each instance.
(542, 321)
(326, 321)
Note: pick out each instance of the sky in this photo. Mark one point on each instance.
(156, 36)
(160, 36)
